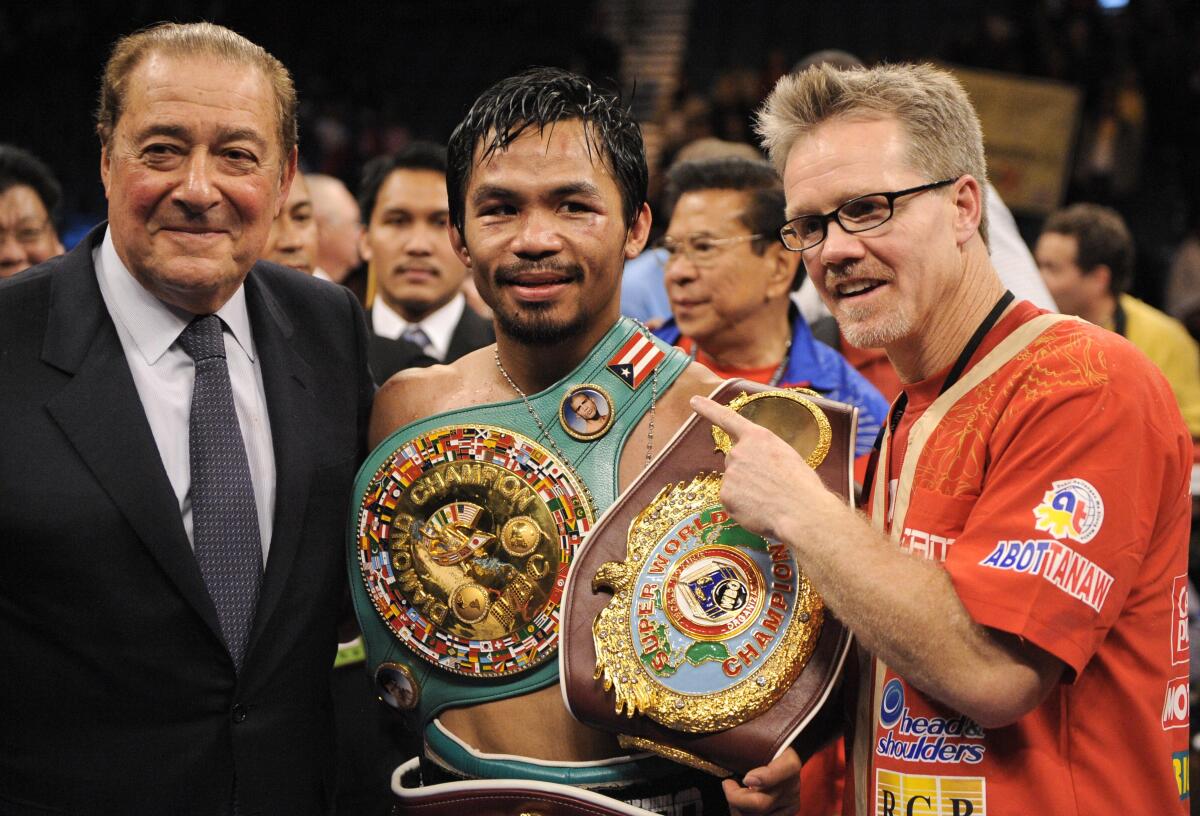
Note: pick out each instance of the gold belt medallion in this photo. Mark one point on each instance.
(709, 624)
(465, 537)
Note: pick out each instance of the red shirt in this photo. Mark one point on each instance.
(1055, 492)
(873, 363)
(759, 375)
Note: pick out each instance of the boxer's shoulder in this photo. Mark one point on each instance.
(416, 393)
(674, 406)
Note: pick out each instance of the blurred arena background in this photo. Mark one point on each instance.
(1083, 99)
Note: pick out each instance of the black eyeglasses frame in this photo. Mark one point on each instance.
(833, 215)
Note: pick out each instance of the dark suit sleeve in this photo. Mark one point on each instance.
(472, 332)
(388, 356)
(365, 384)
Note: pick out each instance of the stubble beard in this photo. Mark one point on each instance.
(871, 326)
(533, 324)
(866, 330)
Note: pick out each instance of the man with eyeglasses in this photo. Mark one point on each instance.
(729, 280)
(29, 196)
(1017, 588)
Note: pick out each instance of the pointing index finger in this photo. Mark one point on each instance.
(722, 416)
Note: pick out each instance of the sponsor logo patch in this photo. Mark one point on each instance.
(1072, 509)
(925, 739)
(1180, 638)
(898, 794)
(929, 546)
(1066, 569)
(1181, 768)
(1176, 704)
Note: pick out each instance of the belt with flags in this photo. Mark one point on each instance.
(464, 524)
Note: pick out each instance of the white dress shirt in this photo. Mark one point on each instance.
(164, 375)
(438, 327)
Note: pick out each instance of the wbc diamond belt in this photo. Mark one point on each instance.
(463, 531)
(467, 533)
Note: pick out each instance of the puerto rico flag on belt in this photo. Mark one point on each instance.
(635, 360)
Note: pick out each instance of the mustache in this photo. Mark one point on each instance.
(859, 268)
(512, 274)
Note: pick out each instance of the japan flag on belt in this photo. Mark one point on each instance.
(635, 360)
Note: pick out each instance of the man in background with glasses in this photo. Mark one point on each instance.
(729, 280)
(1015, 590)
(29, 196)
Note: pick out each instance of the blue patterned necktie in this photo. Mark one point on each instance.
(224, 516)
(417, 336)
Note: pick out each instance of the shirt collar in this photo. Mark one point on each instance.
(151, 324)
(438, 327)
(804, 362)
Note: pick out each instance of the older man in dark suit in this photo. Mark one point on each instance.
(179, 426)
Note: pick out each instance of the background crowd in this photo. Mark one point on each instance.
(374, 77)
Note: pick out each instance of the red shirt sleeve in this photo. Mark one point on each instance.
(1067, 508)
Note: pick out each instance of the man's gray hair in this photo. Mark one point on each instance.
(945, 139)
(193, 40)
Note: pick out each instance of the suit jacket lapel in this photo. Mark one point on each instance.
(472, 332)
(292, 410)
(102, 417)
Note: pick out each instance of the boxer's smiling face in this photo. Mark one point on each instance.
(546, 235)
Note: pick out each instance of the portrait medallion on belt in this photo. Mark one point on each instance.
(792, 417)
(586, 412)
(465, 535)
(397, 686)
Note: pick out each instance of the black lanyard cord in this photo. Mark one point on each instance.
(973, 344)
(956, 371)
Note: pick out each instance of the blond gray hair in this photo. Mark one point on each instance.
(192, 40)
(945, 139)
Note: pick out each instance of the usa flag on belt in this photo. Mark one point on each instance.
(635, 360)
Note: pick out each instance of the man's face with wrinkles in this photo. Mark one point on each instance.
(194, 173)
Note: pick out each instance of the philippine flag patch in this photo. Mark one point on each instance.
(635, 360)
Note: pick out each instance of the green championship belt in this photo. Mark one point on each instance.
(464, 525)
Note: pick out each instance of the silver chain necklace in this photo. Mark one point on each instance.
(546, 433)
(778, 375)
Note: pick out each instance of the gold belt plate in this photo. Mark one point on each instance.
(709, 624)
(465, 535)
